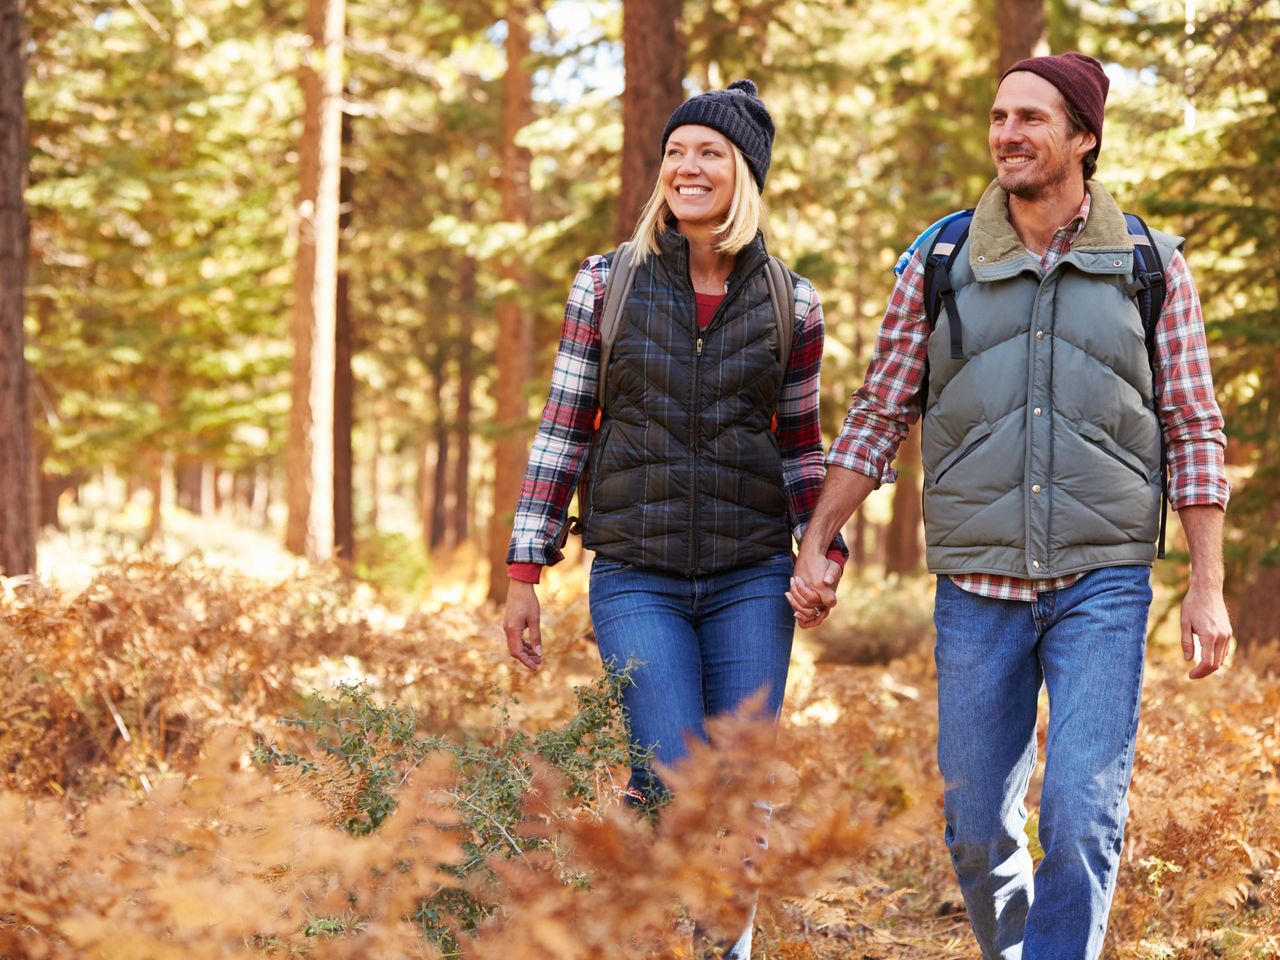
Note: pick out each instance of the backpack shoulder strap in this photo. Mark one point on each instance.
(783, 296)
(942, 253)
(1148, 286)
(617, 287)
(1148, 290)
(948, 237)
(925, 236)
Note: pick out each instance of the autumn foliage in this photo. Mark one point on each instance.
(155, 806)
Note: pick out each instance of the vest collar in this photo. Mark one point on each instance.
(673, 251)
(996, 253)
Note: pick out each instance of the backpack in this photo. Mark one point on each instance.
(617, 287)
(1147, 288)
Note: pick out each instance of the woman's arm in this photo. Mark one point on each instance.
(799, 426)
(565, 430)
(555, 463)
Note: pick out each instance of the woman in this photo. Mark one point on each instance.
(708, 456)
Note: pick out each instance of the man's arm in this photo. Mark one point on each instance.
(1198, 487)
(879, 417)
(1204, 612)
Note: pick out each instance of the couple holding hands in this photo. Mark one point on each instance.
(1066, 396)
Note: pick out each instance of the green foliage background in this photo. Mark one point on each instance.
(162, 190)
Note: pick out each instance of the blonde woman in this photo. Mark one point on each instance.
(707, 459)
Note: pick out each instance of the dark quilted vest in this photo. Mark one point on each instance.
(686, 476)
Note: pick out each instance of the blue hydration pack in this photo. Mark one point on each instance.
(944, 239)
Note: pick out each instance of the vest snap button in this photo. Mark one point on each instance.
(1037, 411)
(1118, 263)
(1035, 488)
(1035, 564)
(1039, 334)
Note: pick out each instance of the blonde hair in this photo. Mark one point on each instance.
(744, 219)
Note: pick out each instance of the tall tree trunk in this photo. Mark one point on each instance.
(208, 489)
(437, 509)
(902, 540)
(375, 471)
(309, 531)
(460, 517)
(1256, 601)
(515, 327)
(17, 540)
(653, 58)
(1021, 25)
(344, 532)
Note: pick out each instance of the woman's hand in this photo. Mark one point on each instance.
(523, 614)
(813, 589)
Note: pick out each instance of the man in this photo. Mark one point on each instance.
(1041, 451)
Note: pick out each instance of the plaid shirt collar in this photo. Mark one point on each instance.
(1066, 235)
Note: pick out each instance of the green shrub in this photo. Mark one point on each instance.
(377, 744)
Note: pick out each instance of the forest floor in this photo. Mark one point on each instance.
(129, 671)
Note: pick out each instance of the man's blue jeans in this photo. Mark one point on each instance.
(1086, 643)
(699, 646)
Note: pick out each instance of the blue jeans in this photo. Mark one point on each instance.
(699, 647)
(1086, 643)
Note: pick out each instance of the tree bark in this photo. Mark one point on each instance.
(309, 531)
(17, 540)
(515, 328)
(653, 58)
(902, 540)
(460, 517)
(375, 472)
(437, 509)
(1021, 26)
(344, 532)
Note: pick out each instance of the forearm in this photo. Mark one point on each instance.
(1203, 527)
(842, 492)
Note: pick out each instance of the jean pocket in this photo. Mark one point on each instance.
(606, 566)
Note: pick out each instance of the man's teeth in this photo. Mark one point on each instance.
(1017, 159)
(693, 191)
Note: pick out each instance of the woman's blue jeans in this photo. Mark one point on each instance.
(698, 647)
(1086, 644)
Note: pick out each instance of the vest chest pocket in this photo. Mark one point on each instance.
(979, 437)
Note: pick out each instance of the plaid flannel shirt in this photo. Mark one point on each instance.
(568, 423)
(886, 405)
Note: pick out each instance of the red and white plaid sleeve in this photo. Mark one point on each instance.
(1189, 412)
(799, 423)
(887, 403)
(564, 433)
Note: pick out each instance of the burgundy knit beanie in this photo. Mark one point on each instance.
(1079, 78)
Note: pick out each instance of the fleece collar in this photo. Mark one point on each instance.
(994, 247)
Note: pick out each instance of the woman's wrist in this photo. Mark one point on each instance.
(530, 573)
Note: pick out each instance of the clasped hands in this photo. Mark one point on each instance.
(813, 588)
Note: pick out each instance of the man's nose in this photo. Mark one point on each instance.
(1010, 132)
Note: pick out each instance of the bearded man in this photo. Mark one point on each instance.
(1047, 425)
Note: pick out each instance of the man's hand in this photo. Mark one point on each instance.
(1204, 617)
(813, 589)
(1204, 614)
(523, 613)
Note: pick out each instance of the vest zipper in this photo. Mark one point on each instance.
(694, 530)
(729, 294)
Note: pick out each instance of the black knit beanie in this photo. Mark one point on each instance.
(739, 114)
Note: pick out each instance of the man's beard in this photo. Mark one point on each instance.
(1033, 190)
